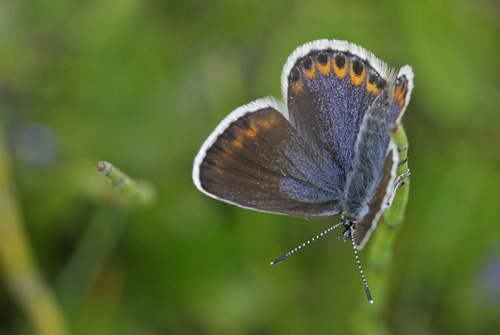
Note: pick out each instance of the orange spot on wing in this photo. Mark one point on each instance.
(266, 123)
(397, 92)
(355, 79)
(298, 86)
(237, 142)
(402, 99)
(251, 132)
(372, 88)
(325, 69)
(311, 72)
(400, 95)
(340, 72)
(403, 92)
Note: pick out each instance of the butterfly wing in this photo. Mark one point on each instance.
(402, 93)
(377, 158)
(368, 220)
(328, 86)
(256, 159)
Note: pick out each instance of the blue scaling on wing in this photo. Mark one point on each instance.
(328, 95)
(305, 179)
(257, 160)
(342, 105)
(338, 100)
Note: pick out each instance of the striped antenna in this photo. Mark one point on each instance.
(367, 290)
(288, 254)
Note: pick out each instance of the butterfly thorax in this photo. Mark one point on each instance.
(349, 227)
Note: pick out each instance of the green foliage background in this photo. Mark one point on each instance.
(143, 83)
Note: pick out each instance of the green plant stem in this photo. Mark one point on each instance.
(142, 192)
(89, 258)
(368, 318)
(24, 280)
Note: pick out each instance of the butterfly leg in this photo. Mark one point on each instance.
(400, 180)
(397, 200)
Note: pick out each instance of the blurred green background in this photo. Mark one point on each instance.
(143, 83)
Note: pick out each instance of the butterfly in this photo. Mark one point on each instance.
(325, 150)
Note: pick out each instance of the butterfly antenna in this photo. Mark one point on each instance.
(367, 290)
(288, 254)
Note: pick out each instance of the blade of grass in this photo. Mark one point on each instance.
(23, 277)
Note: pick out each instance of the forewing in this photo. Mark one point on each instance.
(256, 159)
(328, 87)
